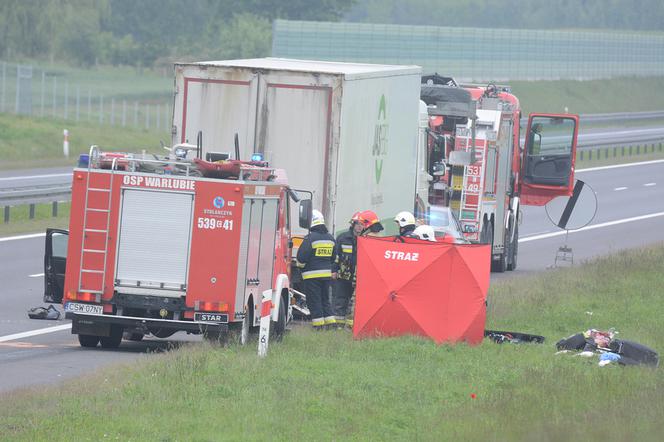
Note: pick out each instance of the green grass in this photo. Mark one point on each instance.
(20, 222)
(326, 386)
(591, 97)
(37, 142)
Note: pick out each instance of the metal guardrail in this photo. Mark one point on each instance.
(615, 117)
(34, 195)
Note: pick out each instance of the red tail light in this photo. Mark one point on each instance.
(206, 306)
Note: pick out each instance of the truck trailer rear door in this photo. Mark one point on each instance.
(547, 169)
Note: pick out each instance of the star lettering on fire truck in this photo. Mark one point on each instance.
(402, 256)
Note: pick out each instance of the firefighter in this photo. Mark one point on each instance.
(343, 271)
(425, 232)
(406, 223)
(315, 256)
(364, 223)
(371, 223)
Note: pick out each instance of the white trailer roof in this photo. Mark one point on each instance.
(348, 70)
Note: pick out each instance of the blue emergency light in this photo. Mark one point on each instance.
(257, 156)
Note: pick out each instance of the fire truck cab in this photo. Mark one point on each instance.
(154, 248)
(473, 161)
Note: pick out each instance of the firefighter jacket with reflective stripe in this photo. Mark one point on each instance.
(316, 255)
(346, 256)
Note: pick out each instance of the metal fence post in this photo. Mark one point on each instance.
(590, 155)
(2, 91)
(7, 208)
(630, 150)
(614, 151)
(622, 151)
(606, 153)
(581, 155)
(66, 112)
(43, 91)
(101, 109)
(32, 211)
(55, 88)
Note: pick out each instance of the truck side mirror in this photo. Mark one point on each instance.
(305, 213)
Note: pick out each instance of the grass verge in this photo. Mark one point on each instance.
(20, 222)
(326, 386)
(37, 142)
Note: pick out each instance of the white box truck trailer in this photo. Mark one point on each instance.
(346, 131)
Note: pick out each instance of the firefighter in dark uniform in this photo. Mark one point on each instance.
(316, 256)
(343, 271)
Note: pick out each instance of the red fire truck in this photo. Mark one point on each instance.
(474, 164)
(156, 247)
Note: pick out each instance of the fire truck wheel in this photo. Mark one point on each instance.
(514, 250)
(88, 341)
(277, 328)
(112, 341)
(247, 323)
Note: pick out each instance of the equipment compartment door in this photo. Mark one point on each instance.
(154, 239)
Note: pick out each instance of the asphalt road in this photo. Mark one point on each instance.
(630, 214)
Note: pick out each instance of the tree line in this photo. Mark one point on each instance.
(146, 32)
(152, 32)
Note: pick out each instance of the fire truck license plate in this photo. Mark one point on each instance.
(84, 308)
(211, 317)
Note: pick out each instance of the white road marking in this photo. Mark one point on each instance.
(29, 177)
(592, 227)
(41, 331)
(650, 184)
(618, 189)
(36, 275)
(32, 235)
(616, 166)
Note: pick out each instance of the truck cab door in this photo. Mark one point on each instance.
(55, 263)
(547, 169)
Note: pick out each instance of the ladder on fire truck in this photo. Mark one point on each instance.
(470, 207)
(90, 255)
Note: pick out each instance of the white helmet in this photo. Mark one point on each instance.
(317, 218)
(405, 219)
(425, 232)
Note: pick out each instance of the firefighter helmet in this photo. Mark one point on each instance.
(425, 232)
(370, 221)
(317, 218)
(355, 218)
(404, 219)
